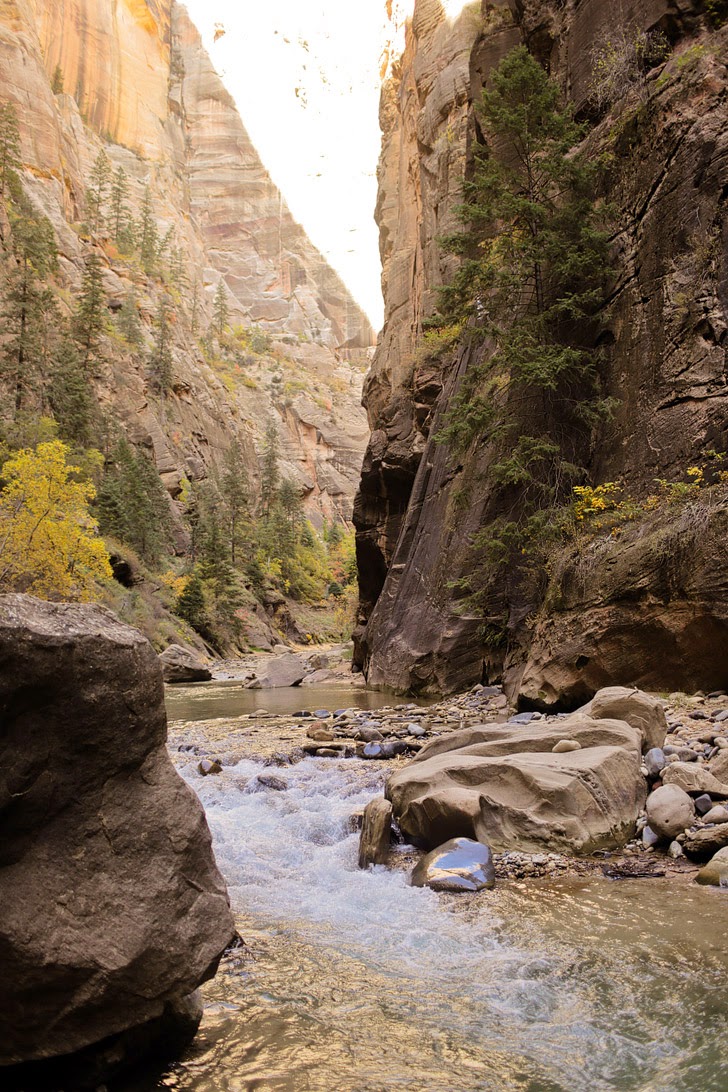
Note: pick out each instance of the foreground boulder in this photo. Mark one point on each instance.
(637, 708)
(181, 664)
(112, 910)
(670, 811)
(715, 872)
(503, 785)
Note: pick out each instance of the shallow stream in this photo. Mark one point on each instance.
(354, 982)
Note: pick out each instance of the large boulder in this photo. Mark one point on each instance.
(180, 664)
(637, 708)
(670, 811)
(286, 670)
(693, 778)
(112, 909)
(504, 786)
(376, 832)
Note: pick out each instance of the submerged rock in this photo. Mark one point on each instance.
(112, 910)
(715, 872)
(461, 864)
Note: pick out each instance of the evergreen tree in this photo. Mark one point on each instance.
(98, 191)
(148, 236)
(177, 274)
(160, 361)
(71, 397)
(120, 217)
(10, 160)
(195, 311)
(269, 473)
(57, 80)
(133, 504)
(90, 319)
(220, 311)
(129, 322)
(28, 301)
(191, 605)
(235, 489)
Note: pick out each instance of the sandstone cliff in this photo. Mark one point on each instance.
(666, 173)
(137, 83)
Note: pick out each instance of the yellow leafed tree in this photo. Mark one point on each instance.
(49, 545)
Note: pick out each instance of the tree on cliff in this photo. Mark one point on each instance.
(28, 302)
(534, 262)
(133, 504)
(49, 545)
(270, 476)
(220, 310)
(10, 161)
(235, 490)
(148, 236)
(97, 191)
(160, 360)
(89, 321)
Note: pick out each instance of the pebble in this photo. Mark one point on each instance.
(565, 745)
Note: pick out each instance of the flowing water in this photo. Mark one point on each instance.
(352, 981)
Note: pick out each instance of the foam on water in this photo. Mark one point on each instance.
(548, 983)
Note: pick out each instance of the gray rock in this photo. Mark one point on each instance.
(669, 811)
(649, 838)
(372, 750)
(521, 718)
(675, 850)
(269, 781)
(461, 864)
(102, 927)
(703, 804)
(286, 670)
(180, 664)
(718, 814)
(655, 760)
(376, 833)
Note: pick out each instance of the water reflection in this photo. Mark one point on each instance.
(355, 982)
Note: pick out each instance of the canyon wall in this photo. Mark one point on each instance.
(136, 82)
(663, 151)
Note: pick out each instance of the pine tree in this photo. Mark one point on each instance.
(160, 360)
(148, 236)
(98, 191)
(195, 311)
(89, 321)
(119, 215)
(129, 322)
(71, 397)
(10, 159)
(29, 303)
(235, 489)
(57, 80)
(269, 473)
(220, 311)
(133, 504)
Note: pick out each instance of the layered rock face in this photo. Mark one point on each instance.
(137, 83)
(638, 615)
(111, 906)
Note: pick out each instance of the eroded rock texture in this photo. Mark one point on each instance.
(111, 905)
(636, 612)
(138, 84)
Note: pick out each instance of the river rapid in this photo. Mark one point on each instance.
(353, 981)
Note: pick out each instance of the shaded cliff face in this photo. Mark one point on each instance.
(137, 83)
(665, 156)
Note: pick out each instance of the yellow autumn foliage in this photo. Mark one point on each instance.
(49, 543)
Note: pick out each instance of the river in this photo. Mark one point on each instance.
(353, 981)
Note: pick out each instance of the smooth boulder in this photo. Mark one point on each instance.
(461, 864)
(669, 810)
(640, 710)
(287, 670)
(695, 779)
(112, 910)
(504, 786)
(715, 872)
(180, 664)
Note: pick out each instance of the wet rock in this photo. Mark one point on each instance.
(180, 664)
(565, 745)
(640, 710)
(371, 750)
(322, 714)
(669, 811)
(375, 833)
(102, 927)
(322, 735)
(267, 781)
(715, 872)
(701, 844)
(460, 864)
(207, 766)
(695, 779)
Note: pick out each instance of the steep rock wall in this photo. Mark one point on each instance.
(665, 347)
(138, 83)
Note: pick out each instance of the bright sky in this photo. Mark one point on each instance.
(305, 77)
